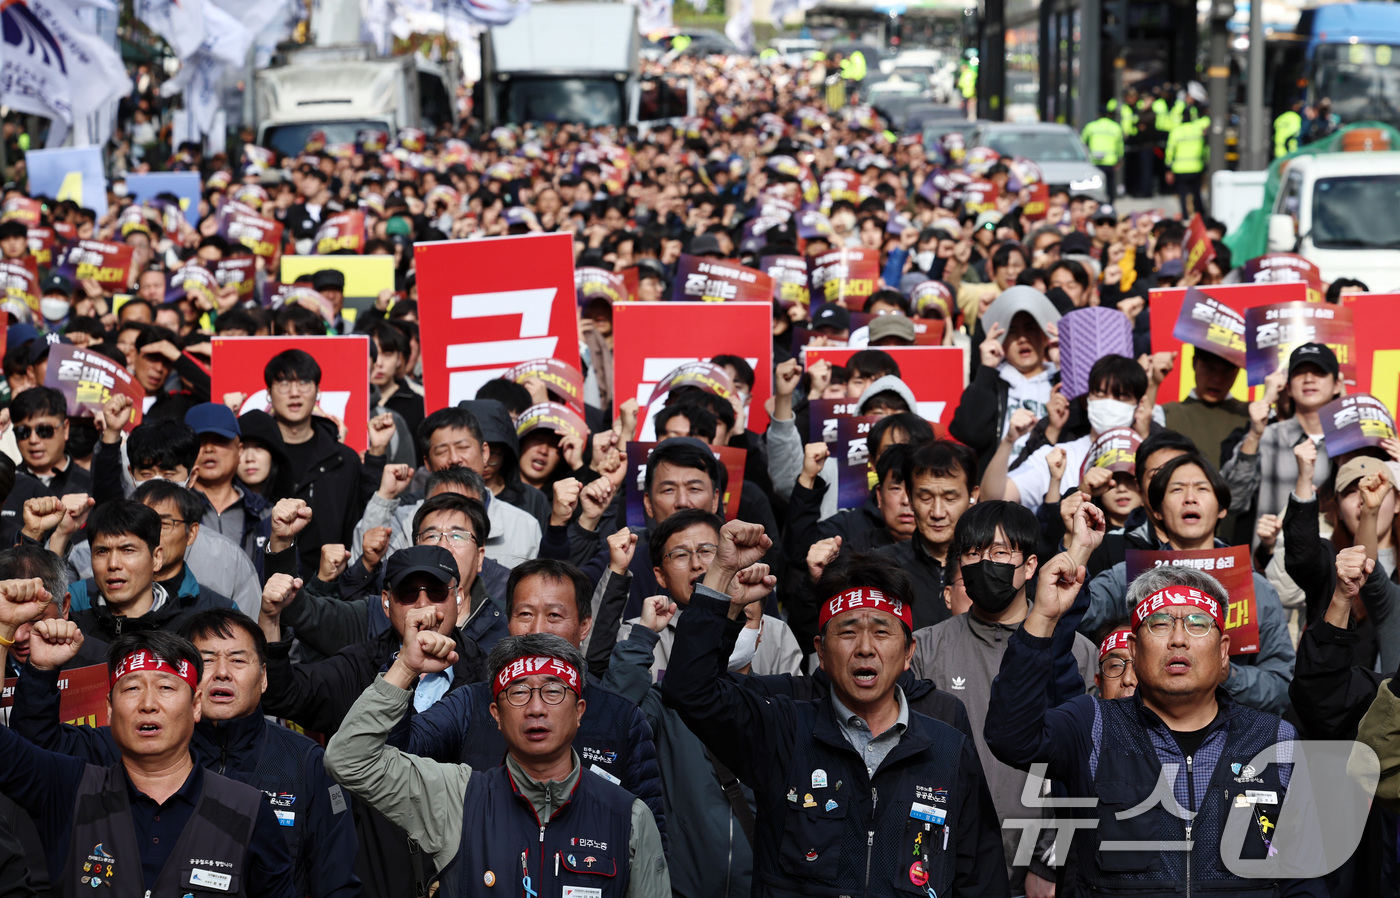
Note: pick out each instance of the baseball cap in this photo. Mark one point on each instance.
(828, 315)
(988, 218)
(18, 334)
(1318, 354)
(1076, 243)
(1357, 468)
(706, 245)
(1020, 299)
(898, 326)
(56, 283)
(39, 348)
(328, 279)
(433, 560)
(1172, 268)
(213, 417)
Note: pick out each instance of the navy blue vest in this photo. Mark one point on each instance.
(585, 844)
(838, 833)
(602, 740)
(1129, 771)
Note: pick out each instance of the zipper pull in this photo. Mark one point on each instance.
(556, 864)
(541, 835)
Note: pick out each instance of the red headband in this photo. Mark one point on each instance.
(863, 597)
(146, 660)
(1118, 639)
(1178, 595)
(530, 665)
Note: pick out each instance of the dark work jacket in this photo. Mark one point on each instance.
(285, 766)
(824, 826)
(613, 737)
(926, 572)
(923, 696)
(505, 836)
(72, 479)
(337, 487)
(103, 838)
(98, 621)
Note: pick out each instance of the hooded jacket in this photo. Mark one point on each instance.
(886, 384)
(500, 432)
(96, 619)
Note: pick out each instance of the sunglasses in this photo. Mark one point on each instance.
(408, 595)
(45, 431)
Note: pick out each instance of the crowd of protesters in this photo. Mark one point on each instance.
(513, 692)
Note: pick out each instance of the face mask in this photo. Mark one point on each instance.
(924, 261)
(54, 309)
(1106, 414)
(991, 585)
(745, 648)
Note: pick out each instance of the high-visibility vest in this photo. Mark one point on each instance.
(1104, 137)
(1186, 147)
(853, 67)
(1163, 114)
(967, 82)
(1286, 130)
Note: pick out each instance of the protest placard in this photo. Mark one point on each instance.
(701, 279)
(238, 364)
(1115, 451)
(730, 458)
(849, 275)
(934, 373)
(590, 282)
(88, 379)
(20, 278)
(1228, 565)
(1211, 325)
(365, 276)
(1272, 332)
(69, 173)
(1279, 268)
(263, 236)
(1354, 422)
(342, 231)
(560, 378)
(1196, 250)
(183, 185)
(82, 696)
(103, 261)
(518, 305)
(789, 275)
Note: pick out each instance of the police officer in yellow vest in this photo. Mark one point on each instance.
(1287, 127)
(1186, 161)
(967, 86)
(853, 67)
(1104, 138)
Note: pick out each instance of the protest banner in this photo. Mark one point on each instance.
(846, 436)
(730, 458)
(1196, 250)
(1355, 422)
(981, 196)
(41, 245)
(934, 373)
(840, 184)
(554, 417)
(365, 276)
(1209, 324)
(518, 305)
(1164, 309)
(718, 280)
(1228, 565)
(934, 297)
(238, 364)
(241, 271)
(69, 173)
(694, 332)
(263, 236)
(103, 261)
(849, 275)
(1279, 268)
(82, 696)
(184, 185)
(590, 282)
(1377, 357)
(88, 379)
(20, 278)
(1115, 451)
(1037, 205)
(342, 231)
(196, 282)
(560, 378)
(789, 275)
(23, 210)
(706, 376)
(1272, 332)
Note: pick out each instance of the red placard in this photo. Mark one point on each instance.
(20, 278)
(1197, 250)
(240, 271)
(103, 261)
(82, 696)
(1165, 308)
(719, 280)
(653, 339)
(1377, 355)
(559, 378)
(848, 274)
(981, 196)
(41, 244)
(1232, 568)
(345, 230)
(22, 209)
(88, 379)
(242, 225)
(1272, 332)
(517, 305)
(934, 373)
(238, 368)
(1038, 203)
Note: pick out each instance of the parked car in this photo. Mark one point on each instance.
(1056, 148)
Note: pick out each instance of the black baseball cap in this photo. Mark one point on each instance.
(433, 560)
(828, 315)
(1318, 354)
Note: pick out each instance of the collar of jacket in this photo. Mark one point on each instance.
(827, 729)
(188, 588)
(921, 552)
(984, 630)
(1227, 709)
(535, 793)
(213, 738)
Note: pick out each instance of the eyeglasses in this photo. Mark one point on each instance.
(1113, 668)
(168, 524)
(680, 558)
(408, 595)
(999, 554)
(455, 538)
(45, 431)
(518, 695)
(1163, 624)
(283, 387)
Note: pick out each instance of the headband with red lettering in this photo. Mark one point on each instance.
(147, 660)
(864, 597)
(530, 665)
(1118, 639)
(1178, 595)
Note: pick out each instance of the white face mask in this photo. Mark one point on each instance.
(924, 261)
(54, 309)
(1106, 414)
(745, 648)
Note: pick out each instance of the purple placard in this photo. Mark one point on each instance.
(1209, 324)
(1272, 332)
(1355, 422)
(1087, 335)
(855, 469)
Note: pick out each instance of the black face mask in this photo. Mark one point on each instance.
(990, 584)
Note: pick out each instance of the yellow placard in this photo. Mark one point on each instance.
(364, 275)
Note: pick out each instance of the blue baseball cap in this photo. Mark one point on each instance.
(212, 417)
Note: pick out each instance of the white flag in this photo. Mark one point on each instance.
(487, 12)
(180, 22)
(228, 39)
(653, 15)
(739, 28)
(54, 67)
